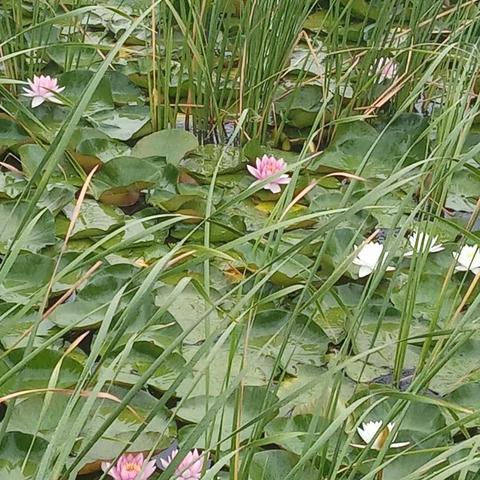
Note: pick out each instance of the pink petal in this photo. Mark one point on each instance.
(253, 171)
(149, 469)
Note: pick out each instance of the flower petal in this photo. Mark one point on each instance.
(273, 187)
(253, 171)
(364, 271)
(399, 444)
(37, 101)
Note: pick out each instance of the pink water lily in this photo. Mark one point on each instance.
(267, 167)
(43, 89)
(130, 467)
(190, 467)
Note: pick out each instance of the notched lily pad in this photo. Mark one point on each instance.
(203, 161)
(121, 180)
(173, 144)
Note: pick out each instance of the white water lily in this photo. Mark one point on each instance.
(368, 258)
(370, 430)
(423, 242)
(468, 259)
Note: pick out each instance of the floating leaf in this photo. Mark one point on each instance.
(10, 132)
(75, 83)
(29, 273)
(353, 141)
(205, 158)
(94, 219)
(122, 123)
(120, 181)
(172, 144)
(41, 235)
(305, 341)
(158, 431)
(276, 464)
(254, 402)
(20, 455)
(37, 372)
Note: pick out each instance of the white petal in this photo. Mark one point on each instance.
(364, 271)
(37, 101)
(356, 445)
(399, 444)
(369, 430)
(55, 100)
(273, 187)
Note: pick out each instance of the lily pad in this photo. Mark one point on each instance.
(20, 455)
(204, 159)
(122, 123)
(38, 371)
(276, 464)
(173, 144)
(306, 343)
(29, 273)
(124, 175)
(26, 417)
(94, 219)
(41, 235)
(75, 83)
(353, 141)
(193, 410)
(11, 133)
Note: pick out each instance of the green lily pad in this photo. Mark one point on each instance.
(41, 235)
(353, 141)
(139, 360)
(11, 185)
(276, 464)
(308, 427)
(20, 455)
(31, 156)
(90, 305)
(123, 90)
(306, 342)
(260, 368)
(122, 123)
(187, 308)
(172, 144)
(118, 435)
(203, 160)
(38, 371)
(123, 176)
(94, 219)
(300, 108)
(95, 147)
(75, 83)
(29, 273)
(193, 410)
(11, 133)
